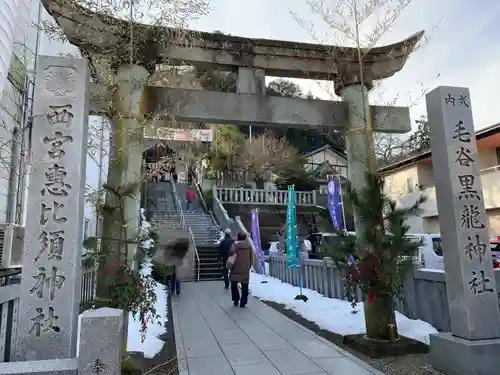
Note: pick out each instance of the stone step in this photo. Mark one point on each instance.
(210, 278)
(213, 264)
(208, 257)
(214, 272)
(203, 255)
(208, 249)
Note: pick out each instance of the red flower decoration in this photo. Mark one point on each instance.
(371, 296)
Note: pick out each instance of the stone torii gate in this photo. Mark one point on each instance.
(252, 59)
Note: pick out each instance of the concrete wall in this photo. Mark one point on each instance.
(425, 174)
(431, 224)
(396, 182)
(487, 158)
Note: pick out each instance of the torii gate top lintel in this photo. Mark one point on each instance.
(96, 33)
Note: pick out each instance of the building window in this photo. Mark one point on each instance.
(410, 185)
(86, 224)
(99, 227)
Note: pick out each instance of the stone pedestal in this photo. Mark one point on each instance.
(68, 366)
(101, 342)
(456, 356)
(100, 350)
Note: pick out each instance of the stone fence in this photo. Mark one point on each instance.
(262, 196)
(424, 292)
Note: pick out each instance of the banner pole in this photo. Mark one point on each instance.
(300, 274)
(342, 203)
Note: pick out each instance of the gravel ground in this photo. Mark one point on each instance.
(414, 364)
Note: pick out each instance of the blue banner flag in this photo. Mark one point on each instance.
(257, 243)
(292, 248)
(335, 204)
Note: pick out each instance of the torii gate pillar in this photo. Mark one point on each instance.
(359, 140)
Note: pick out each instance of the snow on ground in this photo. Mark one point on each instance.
(331, 314)
(152, 344)
(431, 270)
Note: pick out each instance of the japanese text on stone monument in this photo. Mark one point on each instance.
(472, 218)
(49, 280)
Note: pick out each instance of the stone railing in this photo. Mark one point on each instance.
(262, 196)
(235, 225)
(220, 213)
(424, 296)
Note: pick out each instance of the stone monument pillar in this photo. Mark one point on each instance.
(50, 287)
(473, 345)
(127, 102)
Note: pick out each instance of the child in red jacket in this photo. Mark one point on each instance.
(190, 197)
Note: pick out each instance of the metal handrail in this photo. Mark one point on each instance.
(179, 205)
(186, 227)
(490, 169)
(204, 202)
(196, 254)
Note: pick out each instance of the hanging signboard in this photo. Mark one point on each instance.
(184, 135)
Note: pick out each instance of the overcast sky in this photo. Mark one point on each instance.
(462, 47)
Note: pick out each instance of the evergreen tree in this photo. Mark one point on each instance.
(294, 173)
(420, 139)
(384, 255)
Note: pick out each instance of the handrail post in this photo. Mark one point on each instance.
(186, 228)
(214, 191)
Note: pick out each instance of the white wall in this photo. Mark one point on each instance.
(97, 158)
(12, 110)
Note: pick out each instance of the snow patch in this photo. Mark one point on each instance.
(331, 314)
(152, 344)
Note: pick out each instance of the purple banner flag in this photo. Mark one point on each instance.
(335, 205)
(256, 241)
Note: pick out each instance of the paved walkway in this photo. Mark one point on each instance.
(215, 338)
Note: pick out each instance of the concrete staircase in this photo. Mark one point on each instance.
(210, 267)
(206, 233)
(160, 205)
(163, 213)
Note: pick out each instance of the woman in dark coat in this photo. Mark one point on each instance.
(240, 272)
